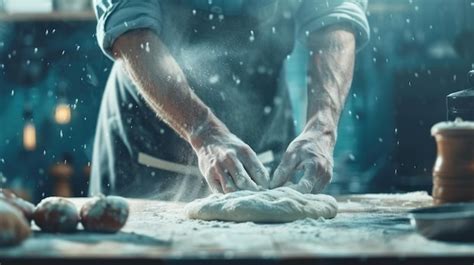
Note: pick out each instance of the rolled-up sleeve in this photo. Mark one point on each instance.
(116, 17)
(313, 15)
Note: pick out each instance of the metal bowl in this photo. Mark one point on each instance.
(448, 222)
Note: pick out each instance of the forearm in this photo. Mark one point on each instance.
(163, 85)
(330, 75)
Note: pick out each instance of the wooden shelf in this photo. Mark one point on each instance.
(51, 16)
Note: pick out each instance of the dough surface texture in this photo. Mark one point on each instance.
(271, 206)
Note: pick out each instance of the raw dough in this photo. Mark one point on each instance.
(271, 206)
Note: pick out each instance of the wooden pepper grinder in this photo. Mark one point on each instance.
(453, 172)
(461, 104)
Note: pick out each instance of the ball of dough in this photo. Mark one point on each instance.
(104, 214)
(27, 208)
(13, 226)
(57, 215)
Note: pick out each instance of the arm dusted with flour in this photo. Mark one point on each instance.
(329, 79)
(227, 163)
(162, 83)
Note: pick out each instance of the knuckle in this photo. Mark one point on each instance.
(246, 150)
(287, 158)
(221, 159)
(292, 156)
(229, 165)
(295, 145)
(310, 165)
(212, 162)
(229, 153)
(227, 157)
(261, 172)
(322, 160)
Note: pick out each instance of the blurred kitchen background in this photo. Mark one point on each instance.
(52, 76)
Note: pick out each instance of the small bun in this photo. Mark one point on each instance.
(56, 215)
(13, 226)
(27, 208)
(104, 214)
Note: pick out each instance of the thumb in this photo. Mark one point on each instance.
(309, 180)
(283, 172)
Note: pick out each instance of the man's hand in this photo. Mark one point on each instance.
(310, 153)
(330, 73)
(227, 163)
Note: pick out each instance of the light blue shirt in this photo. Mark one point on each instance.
(115, 17)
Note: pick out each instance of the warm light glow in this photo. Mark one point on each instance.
(29, 136)
(62, 114)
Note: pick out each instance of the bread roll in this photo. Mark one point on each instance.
(56, 215)
(25, 207)
(104, 214)
(13, 225)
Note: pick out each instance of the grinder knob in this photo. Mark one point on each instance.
(461, 104)
(470, 77)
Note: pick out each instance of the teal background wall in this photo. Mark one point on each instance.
(71, 59)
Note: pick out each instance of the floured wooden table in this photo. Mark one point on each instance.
(366, 226)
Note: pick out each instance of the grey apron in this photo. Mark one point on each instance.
(233, 63)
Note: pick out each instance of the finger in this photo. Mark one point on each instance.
(240, 176)
(309, 180)
(214, 183)
(321, 182)
(255, 168)
(322, 176)
(284, 171)
(227, 183)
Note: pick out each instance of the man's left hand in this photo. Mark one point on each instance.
(330, 73)
(310, 152)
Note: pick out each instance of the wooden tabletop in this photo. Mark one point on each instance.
(369, 225)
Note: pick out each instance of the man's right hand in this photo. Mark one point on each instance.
(227, 163)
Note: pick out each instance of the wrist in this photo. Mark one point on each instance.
(321, 135)
(317, 129)
(319, 147)
(209, 127)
